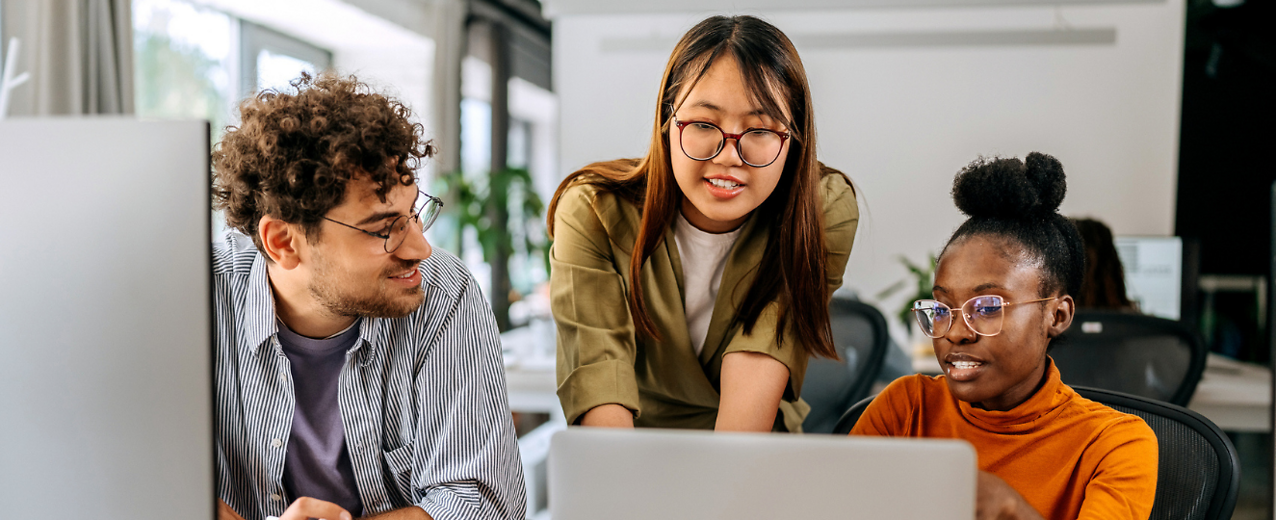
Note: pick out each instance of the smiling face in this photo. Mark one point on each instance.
(720, 193)
(351, 274)
(996, 372)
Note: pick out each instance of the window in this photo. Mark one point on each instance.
(184, 57)
(197, 63)
(271, 59)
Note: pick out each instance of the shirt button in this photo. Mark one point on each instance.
(276, 443)
(276, 497)
(283, 377)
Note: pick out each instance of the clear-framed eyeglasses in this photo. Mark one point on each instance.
(702, 141)
(425, 211)
(983, 314)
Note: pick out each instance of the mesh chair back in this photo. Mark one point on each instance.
(852, 415)
(1140, 355)
(1198, 475)
(861, 339)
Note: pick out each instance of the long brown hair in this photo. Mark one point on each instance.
(795, 249)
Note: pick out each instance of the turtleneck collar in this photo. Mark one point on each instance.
(1030, 415)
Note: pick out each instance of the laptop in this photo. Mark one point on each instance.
(674, 474)
(105, 327)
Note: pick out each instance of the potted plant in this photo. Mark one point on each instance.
(502, 208)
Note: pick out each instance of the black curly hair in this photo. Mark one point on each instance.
(295, 149)
(1018, 202)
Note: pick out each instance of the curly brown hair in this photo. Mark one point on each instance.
(294, 151)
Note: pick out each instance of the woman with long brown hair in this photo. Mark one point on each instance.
(691, 286)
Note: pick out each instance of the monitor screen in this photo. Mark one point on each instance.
(1153, 273)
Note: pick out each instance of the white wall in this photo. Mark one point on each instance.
(906, 97)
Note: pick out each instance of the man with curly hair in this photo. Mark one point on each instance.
(358, 372)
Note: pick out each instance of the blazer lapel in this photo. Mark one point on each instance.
(737, 278)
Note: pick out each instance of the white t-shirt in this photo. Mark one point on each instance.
(704, 256)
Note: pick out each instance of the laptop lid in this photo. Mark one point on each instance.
(105, 383)
(668, 474)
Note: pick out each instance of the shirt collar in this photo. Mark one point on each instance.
(1046, 403)
(257, 313)
(257, 318)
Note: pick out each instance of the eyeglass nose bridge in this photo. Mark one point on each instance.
(965, 318)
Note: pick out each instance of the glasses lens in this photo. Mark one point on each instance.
(985, 314)
(760, 148)
(701, 141)
(398, 233)
(425, 215)
(933, 317)
(429, 213)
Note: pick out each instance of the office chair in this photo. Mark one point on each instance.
(1135, 354)
(1198, 472)
(852, 415)
(861, 339)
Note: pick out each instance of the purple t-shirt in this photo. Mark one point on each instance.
(317, 464)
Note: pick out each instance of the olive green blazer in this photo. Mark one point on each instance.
(665, 384)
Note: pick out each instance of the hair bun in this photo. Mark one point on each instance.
(1007, 188)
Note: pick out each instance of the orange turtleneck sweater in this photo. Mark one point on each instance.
(1068, 456)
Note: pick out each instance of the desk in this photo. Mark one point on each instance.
(1234, 395)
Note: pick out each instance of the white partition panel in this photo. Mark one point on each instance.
(105, 388)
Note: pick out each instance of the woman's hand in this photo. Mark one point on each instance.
(996, 500)
(752, 385)
(608, 416)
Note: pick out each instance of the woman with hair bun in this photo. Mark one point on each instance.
(1010, 271)
(689, 287)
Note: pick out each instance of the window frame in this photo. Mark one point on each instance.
(255, 38)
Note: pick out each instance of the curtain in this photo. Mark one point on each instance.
(79, 54)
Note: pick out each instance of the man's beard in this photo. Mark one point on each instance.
(327, 288)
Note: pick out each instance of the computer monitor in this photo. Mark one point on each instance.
(105, 335)
(1153, 273)
(675, 475)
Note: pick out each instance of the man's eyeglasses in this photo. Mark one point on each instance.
(426, 210)
(983, 314)
(757, 147)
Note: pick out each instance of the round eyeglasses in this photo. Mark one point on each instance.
(757, 147)
(983, 314)
(426, 210)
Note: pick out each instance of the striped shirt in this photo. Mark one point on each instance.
(422, 398)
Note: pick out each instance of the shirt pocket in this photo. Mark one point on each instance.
(399, 463)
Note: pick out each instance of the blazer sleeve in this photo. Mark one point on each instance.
(596, 342)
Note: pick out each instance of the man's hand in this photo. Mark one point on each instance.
(224, 512)
(996, 500)
(306, 507)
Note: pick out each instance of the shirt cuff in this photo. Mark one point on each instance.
(593, 385)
